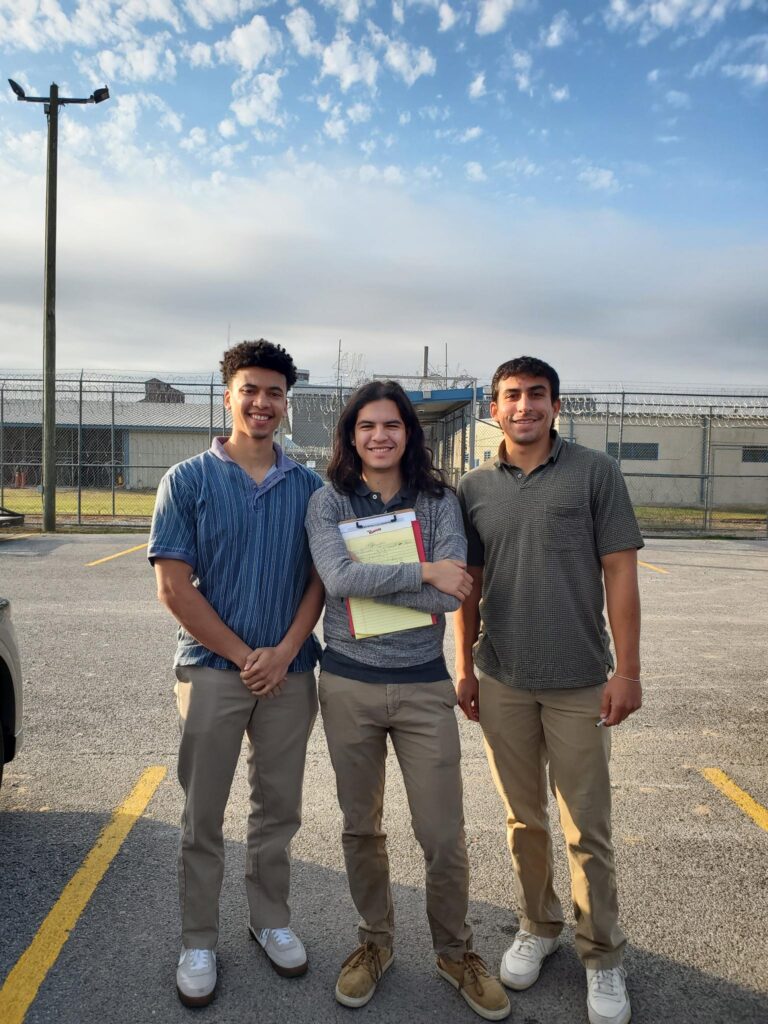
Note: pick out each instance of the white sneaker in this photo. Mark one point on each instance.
(196, 976)
(607, 999)
(285, 950)
(521, 964)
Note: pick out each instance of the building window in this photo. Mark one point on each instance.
(754, 453)
(647, 451)
(486, 456)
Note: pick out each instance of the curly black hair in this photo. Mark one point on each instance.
(526, 366)
(257, 353)
(417, 468)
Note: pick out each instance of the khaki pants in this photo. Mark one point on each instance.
(524, 730)
(421, 722)
(215, 710)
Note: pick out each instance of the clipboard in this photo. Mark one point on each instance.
(388, 539)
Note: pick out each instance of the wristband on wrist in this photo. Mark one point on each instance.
(629, 679)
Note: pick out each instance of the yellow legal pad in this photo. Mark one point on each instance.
(384, 540)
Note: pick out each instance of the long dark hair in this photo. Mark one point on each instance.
(417, 468)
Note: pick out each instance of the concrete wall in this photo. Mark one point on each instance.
(675, 478)
(150, 453)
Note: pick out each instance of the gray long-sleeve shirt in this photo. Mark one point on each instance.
(443, 535)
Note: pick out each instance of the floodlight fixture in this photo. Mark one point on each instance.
(99, 95)
(20, 94)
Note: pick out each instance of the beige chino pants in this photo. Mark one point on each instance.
(421, 722)
(524, 731)
(215, 710)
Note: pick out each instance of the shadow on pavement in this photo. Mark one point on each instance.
(118, 964)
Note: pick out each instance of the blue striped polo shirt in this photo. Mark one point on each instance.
(246, 545)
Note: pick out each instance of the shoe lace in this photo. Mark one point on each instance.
(283, 936)
(607, 982)
(199, 959)
(474, 971)
(366, 956)
(526, 942)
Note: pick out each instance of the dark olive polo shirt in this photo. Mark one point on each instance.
(539, 539)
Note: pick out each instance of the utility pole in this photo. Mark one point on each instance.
(52, 103)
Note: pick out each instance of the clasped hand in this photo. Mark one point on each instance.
(264, 671)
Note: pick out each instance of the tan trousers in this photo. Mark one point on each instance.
(524, 730)
(215, 710)
(421, 722)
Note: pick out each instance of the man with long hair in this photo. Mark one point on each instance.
(395, 685)
(552, 537)
(232, 562)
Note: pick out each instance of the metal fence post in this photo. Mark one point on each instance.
(473, 415)
(607, 423)
(112, 452)
(210, 416)
(710, 488)
(80, 453)
(621, 430)
(2, 443)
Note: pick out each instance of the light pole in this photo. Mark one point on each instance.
(52, 103)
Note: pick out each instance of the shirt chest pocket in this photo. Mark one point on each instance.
(567, 527)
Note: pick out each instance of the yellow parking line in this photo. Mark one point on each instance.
(743, 801)
(19, 536)
(647, 565)
(22, 984)
(118, 555)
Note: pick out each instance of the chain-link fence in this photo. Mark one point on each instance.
(694, 464)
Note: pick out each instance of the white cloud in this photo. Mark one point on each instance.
(409, 62)
(560, 30)
(389, 175)
(227, 128)
(493, 15)
(470, 134)
(131, 61)
(348, 10)
(301, 26)
(652, 17)
(199, 55)
(434, 113)
(258, 97)
(335, 127)
(207, 12)
(405, 117)
(599, 179)
(522, 62)
(358, 113)
(561, 94)
(447, 17)
(350, 64)
(678, 100)
(324, 102)
(477, 86)
(519, 166)
(754, 74)
(398, 11)
(474, 171)
(196, 139)
(653, 76)
(667, 140)
(249, 45)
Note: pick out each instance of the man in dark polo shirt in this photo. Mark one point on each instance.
(549, 525)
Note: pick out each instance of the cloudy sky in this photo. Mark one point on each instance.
(495, 176)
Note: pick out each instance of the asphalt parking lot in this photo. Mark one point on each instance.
(97, 652)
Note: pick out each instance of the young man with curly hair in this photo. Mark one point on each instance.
(551, 537)
(233, 567)
(395, 685)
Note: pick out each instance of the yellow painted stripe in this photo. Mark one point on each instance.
(647, 565)
(743, 801)
(22, 984)
(119, 554)
(19, 536)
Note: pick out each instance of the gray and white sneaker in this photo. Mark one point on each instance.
(521, 964)
(285, 950)
(607, 999)
(196, 976)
